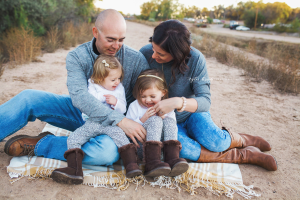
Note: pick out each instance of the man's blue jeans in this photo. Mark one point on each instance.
(56, 110)
(197, 130)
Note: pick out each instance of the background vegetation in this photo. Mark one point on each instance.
(28, 27)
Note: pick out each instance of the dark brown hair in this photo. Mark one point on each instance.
(145, 82)
(174, 37)
(100, 71)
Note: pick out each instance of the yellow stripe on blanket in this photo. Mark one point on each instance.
(219, 178)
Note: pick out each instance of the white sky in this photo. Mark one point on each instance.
(133, 6)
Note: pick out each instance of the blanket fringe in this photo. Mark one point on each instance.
(188, 182)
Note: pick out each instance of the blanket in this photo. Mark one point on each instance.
(219, 178)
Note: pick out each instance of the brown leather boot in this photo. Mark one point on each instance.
(171, 156)
(73, 173)
(241, 140)
(248, 155)
(129, 157)
(154, 166)
(22, 145)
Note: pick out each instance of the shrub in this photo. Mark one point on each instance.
(209, 20)
(21, 45)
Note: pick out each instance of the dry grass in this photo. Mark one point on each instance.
(282, 70)
(69, 38)
(52, 40)
(21, 45)
(1, 64)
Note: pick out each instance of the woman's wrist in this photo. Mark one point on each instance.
(183, 105)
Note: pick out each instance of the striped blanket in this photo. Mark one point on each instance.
(219, 178)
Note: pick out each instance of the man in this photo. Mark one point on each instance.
(64, 111)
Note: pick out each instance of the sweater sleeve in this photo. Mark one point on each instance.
(82, 99)
(121, 103)
(201, 85)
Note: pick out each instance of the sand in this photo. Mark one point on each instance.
(246, 106)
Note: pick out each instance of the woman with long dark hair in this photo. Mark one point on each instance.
(186, 74)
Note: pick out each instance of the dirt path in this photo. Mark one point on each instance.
(246, 106)
(250, 34)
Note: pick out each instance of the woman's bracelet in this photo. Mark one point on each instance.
(183, 105)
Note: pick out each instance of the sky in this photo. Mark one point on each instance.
(133, 6)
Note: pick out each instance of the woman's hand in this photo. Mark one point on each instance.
(110, 99)
(167, 105)
(150, 112)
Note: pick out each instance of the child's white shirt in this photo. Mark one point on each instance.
(136, 112)
(98, 91)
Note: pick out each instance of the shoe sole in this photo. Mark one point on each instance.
(179, 168)
(159, 172)
(18, 137)
(61, 177)
(134, 173)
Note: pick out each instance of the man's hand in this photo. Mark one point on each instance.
(110, 99)
(133, 130)
(150, 112)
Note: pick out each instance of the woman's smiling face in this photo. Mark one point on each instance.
(160, 55)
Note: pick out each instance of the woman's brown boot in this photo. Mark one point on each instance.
(171, 156)
(248, 155)
(129, 157)
(73, 173)
(154, 166)
(241, 140)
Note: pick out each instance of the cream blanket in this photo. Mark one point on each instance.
(219, 178)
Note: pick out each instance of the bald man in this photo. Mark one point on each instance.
(64, 111)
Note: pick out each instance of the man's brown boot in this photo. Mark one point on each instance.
(154, 166)
(248, 155)
(171, 156)
(22, 145)
(129, 157)
(73, 173)
(241, 140)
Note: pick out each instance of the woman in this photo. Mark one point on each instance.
(189, 91)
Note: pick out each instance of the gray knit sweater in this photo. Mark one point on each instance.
(80, 68)
(193, 84)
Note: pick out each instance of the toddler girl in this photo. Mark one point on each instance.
(149, 89)
(104, 84)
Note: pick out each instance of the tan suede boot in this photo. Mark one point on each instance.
(171, 156)
(129, 157)
(241, 140)
(73, 173)
(248, 155)
(154, 166)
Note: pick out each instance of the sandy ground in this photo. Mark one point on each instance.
(250, 34)
(247, 106)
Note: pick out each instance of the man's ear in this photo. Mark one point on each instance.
(95, 32)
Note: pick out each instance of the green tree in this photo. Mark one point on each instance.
(249, 19)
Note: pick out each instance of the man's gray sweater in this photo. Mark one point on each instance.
(80, 63)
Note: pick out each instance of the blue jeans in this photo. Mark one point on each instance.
(197, 130)
(59, 111)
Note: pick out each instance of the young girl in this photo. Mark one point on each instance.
(105, 85)
(149, 89)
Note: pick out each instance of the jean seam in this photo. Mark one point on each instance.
(60, 118)
(15, 130)
(39, 142)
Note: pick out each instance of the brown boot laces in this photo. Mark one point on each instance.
(29, 150)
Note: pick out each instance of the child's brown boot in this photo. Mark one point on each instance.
(154, 166)
(129, 157)
(171, 156)
(73, 173)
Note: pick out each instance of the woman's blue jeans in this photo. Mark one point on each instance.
(197, 130)
(56, 110)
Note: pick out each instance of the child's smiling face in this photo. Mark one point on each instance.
(112, 80)
(151, 96)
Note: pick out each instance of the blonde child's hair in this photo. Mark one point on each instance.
(146, 80)
(102, 66)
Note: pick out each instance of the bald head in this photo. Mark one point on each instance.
(109, 17)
